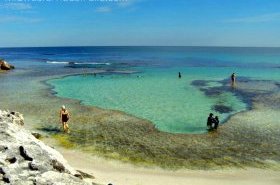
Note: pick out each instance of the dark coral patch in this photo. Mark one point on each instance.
(199, 83)
(222, 109)
(213, 91)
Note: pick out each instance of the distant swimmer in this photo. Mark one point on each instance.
(233, 80)
(180, 76)
(64, 117)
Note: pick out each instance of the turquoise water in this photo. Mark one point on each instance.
(158, 95)
(154, 93)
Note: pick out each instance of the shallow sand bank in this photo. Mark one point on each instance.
(110, 171)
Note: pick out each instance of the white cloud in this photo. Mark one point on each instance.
(128, 3)
(118, 4)
(16, 6)
(17, 19)
(256, 19)
(103, 9)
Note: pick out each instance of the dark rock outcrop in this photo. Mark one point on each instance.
(5, 65)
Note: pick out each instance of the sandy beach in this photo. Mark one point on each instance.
(110, 171)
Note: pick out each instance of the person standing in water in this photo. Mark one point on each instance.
(216, 122)
(179, 75)
(210, 121)
(64, 117)
(233, 80)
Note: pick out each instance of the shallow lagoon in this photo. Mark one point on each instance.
(172, 104)
(249, 138)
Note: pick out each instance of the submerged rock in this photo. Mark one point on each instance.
(26, 160)
(37, 135)
(199, 83)
(222, 109)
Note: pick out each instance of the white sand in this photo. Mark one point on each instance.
(117, 173)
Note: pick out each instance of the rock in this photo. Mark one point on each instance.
(17, 118)
(79, 176)
(11, 160)
(2, 171)
(5, 65)
(58, 166)
(36, 135)
(26, 160)
(24, 154)
(85, 175)
(52, 177)
(32, 166)
(6, 178)
(3, 148)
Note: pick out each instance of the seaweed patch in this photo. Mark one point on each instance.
(222, 109)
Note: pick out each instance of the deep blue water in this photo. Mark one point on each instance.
(150, 56)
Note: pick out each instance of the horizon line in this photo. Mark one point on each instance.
(4, 47)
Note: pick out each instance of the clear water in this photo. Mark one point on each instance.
(154, 93)
(172, 104)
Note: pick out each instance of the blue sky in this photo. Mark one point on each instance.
(140, 22)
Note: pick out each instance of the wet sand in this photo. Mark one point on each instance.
(109, 171)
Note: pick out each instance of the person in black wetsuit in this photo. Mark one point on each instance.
(64, 117)
(216, 122)
(210, 121)
(233, 80)
(179, 75)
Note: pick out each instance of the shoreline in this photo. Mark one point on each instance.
(111, 171)
(249, 109)
(95, 117)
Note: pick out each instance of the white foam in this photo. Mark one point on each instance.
(77, 63)
(91, 63)
(56, 62)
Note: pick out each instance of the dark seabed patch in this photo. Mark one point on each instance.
(247, 89)
(50, 129)
(212, 91)
(222, 109)
(199, 83)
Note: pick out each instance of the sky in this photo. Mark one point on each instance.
(25, 23)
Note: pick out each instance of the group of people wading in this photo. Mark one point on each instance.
(212, 122)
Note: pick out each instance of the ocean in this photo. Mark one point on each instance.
(143, 81)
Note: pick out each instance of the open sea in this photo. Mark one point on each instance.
(143, 81)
